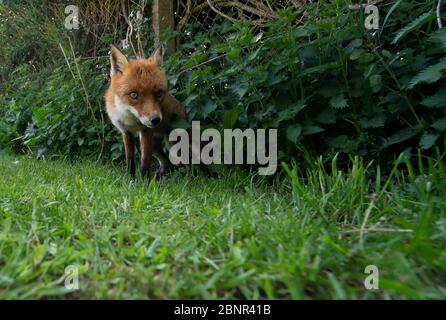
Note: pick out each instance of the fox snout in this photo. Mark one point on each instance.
(150, 114)
(151, 121)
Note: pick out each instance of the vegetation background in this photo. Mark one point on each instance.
(314, 72)
(361, 116)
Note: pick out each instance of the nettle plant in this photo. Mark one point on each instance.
(58, 112)
(328, 85)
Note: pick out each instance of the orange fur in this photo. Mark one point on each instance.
(144, 80)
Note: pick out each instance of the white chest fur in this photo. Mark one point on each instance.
(125, 118)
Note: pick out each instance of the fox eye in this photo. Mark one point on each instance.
(159, 94)
(134, 95)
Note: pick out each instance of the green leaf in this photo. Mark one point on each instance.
(439, 36)
(39, 115)
(386, 53)
(310, 129)
(356, 43)
(415, 24)
(197, 58)
(293, 132)
(356, 54)
(289, 113)
(234, 54)
(230, 118)
(329, 89)
(376, 83)
(429, 75)
(320, 68)
(240, 89)
(302, 32)
(401, 136)
(327, 116)
(440, 125)
(209, 107)
(190, 98)
(366, 58)
(38, 254)
(178, 122)
(399, 287)
(437, 100)
(254, 54)
(376, 121)
(338, 101)
(276, 78)
(339, 142)
(389, 13)
(428, 140)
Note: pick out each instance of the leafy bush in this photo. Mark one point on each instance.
(51, 101)
(30, 34)
(328, 85)
(61, 113)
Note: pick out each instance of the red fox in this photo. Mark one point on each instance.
(137, 103)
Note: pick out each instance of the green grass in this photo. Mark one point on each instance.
(231, 237)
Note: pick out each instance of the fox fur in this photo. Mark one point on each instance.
(138, 104)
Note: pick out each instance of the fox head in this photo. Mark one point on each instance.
(139, 85)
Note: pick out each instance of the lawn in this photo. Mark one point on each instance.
(237, 236)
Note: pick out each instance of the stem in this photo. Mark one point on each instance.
(400, 88)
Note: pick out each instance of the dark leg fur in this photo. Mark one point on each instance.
(129, 146)
(146, 142)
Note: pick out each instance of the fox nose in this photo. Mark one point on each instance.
(155, 120)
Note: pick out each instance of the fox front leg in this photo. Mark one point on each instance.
(163, 160)
(146, 142)
(129, 146)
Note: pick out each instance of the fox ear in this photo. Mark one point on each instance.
(117, 60)
(157, 56)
